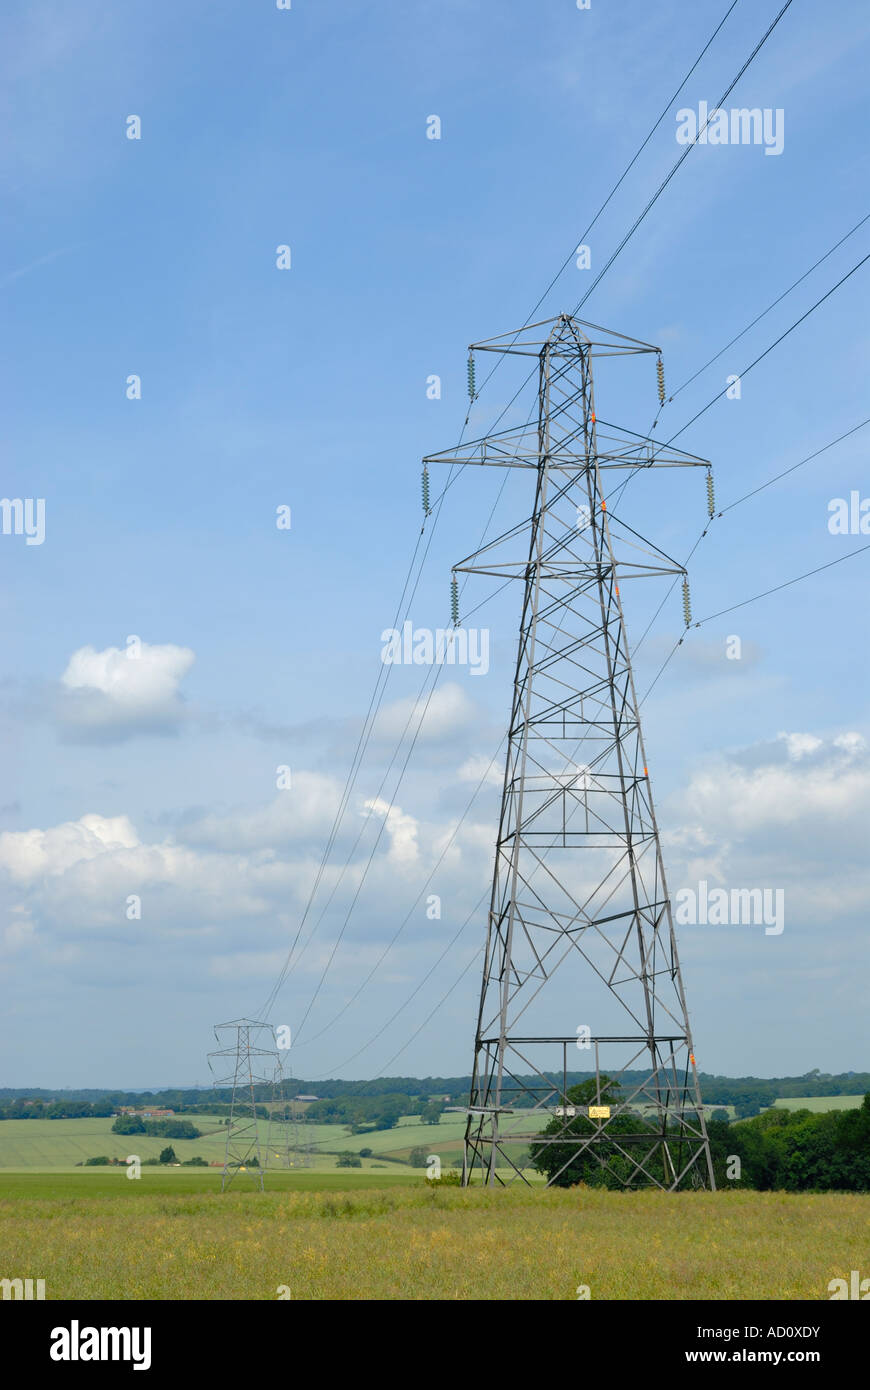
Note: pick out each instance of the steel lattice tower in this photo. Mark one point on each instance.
(245, 1065)
(285, 1147)
(579, 891)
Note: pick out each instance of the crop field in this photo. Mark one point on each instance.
(345, 1236)
(62, 1144)
(65, 1143)
(819, 1103)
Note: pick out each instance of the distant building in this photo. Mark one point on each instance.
(308, 1097)
(145, 1114)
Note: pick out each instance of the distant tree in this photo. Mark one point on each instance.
(720, 1116)
(563, 1164)
(167, 1155)
(172, 1129)
(128, 1124)
(431, 1112)
(418, 1157)
(365, 1153)
(348, 1160)
(94, 1162)
(389, 1115)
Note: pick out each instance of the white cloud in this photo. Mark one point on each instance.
(800, 745)
(798, 824)
(114, 693)
(30, 854)
(304, 811)
(448, 709)
(479, 767)
(402, 830)
(233, 886)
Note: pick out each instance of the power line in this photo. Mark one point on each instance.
(633, 229)
(377, 697)
(359, 753)
(447, 949)
(776, 477)
(679, 642)
(776, 343)
(361, 748)
(437, 672)
(663, 185)
(786, 585)
(770, 306)
(626, 171)
(498, 590)
(447, 847)
(777, 588)
(745, 498)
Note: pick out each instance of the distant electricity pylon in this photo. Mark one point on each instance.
(245, 1063)
(580, 947)
(285, 1147)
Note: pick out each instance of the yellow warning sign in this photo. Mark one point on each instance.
(599, 1112)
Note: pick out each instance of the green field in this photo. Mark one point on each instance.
(61, 1144)
(64, 1143)
(338, 1236)
(70, 1185)
(818, 1103)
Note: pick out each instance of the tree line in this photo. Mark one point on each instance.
(782, 1150)
(366, 1102)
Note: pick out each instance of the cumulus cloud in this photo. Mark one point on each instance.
(233, 886)
(303, 812)
(111, 694)
(446, 711)
(402, 830)
(479, 768)
(796, 821)
(800, 745)
(71, 880)
(30, 854)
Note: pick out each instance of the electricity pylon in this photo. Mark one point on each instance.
(285, 1148)
(580, 947)
(245, 1063)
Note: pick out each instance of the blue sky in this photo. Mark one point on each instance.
(306, 387)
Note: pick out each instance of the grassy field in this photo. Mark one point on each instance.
(818, 1103)
(172, 1236)
(61, 1144)
(64, 1143)
(73, 1184)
